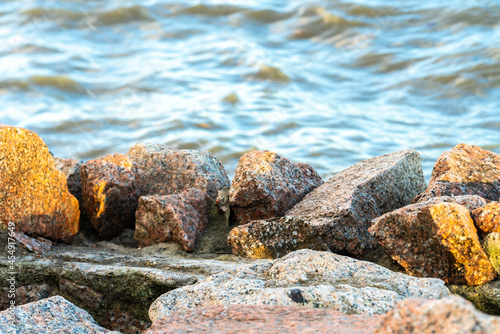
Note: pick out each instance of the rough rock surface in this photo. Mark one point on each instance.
(24, 295)
(485, 297)
(435, 240)
(71, 168)
(162, 170)
(39, 245)
(304, 278)
(452, 314)
(110, 194)
(181, 218)
(487, 218)
(263, 319)
(266, 185)
(51, 315)
(491, 245)
(337, 214)
(465, 170)
(34, 194)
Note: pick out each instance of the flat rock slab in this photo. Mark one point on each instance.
(452, 314)
(110, 194)
(263, 319)
(180, 218)
(34, 194)
(337, 214)
(266, 185)
(38, 246)
(487, 218)
(465, 170)
(162, 170)
(51, 315)
(303, 278)
(435, 240)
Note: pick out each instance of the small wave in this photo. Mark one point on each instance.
(123, 15)
(267, 15)
(206, 10)
(62, 82)
(36, 15)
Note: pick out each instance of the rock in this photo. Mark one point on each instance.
(51, 315)
(435, 240)
(181, 218)
(162, 170)
(110, 194)
(337, 214)
(39, 245)
(487, 218)
(71, 168)
(34, 195)
(263, 319)
(485, 297)
(465, 170)
(303, 278)
(452, 314)
(265, 185)
(24, 295)
(491, 245)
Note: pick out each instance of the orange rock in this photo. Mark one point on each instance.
(465, 170)
(487, 218)
(110, 194)
(435, 240)
(34, 195)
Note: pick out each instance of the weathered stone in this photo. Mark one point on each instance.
(24, 295)
(265, 185)
(487, 218)
(303, 278)
(88, 298)
(125, 322)
(465, 170)
(452, 314)
(39, 245)
(337, 214)
(181, 218)
(71, 168)
(34, 195)
(491, 245)
(435, 240)
(51, 315)
(110, 194)
(263, 319)
(485, 297)
(162, 170)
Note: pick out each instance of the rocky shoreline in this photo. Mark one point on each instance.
(158, 240)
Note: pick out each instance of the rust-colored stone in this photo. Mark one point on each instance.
(435, 240)
(266, 185)
(263, 319)
(452, 314)
(465, 170)
(181, 218)
(338, 213)
(110, 194)
(487, 218)
(71, 168)
(34, 194)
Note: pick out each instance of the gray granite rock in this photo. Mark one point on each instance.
(51, 315)
(338, 213)
(304, 278)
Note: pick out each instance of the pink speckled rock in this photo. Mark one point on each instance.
(39, 245)
(452, 315)
(263, 319)
(51, 315)
(465, 170)
(110, 194)
(487, 218)
(181, 218)
(266, 185)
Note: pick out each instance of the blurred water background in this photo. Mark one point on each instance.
(325, 82)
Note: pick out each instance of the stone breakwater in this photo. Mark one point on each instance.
(158, 240)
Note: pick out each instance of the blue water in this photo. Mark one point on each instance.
(328, 83)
